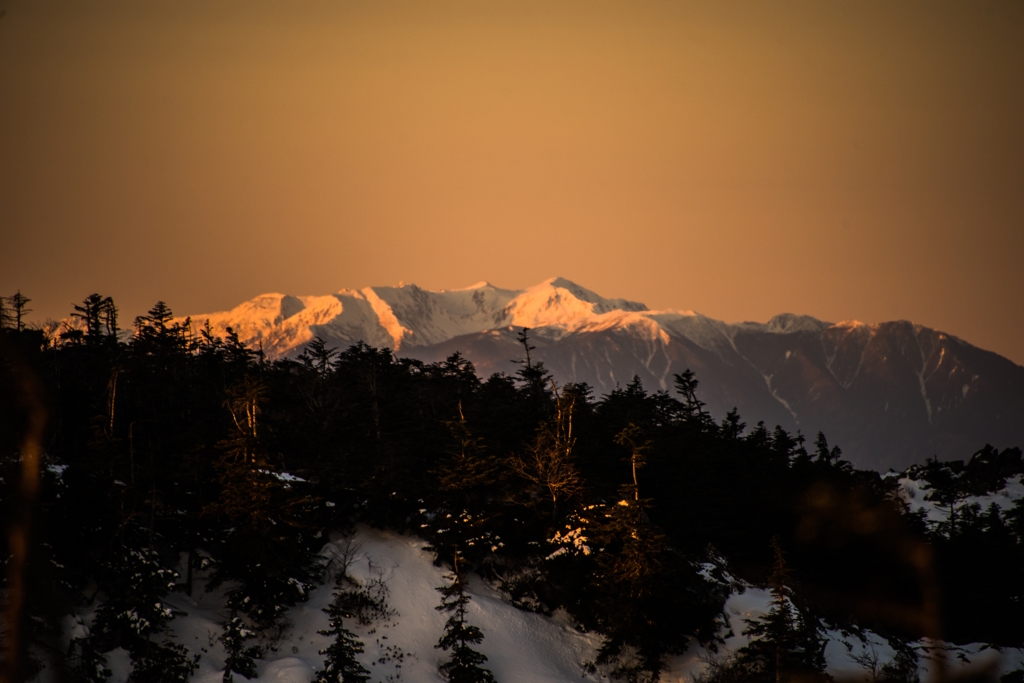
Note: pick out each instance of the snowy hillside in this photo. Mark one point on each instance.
(521, 647)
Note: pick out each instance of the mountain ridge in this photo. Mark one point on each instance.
(889, 393)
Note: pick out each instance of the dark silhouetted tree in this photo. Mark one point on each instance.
(340, 663)
(548, 462)
(240, 656)
(99, 316)
(19, 305)
(463, 665)
(787, 641)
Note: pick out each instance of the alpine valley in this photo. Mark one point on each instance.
(890, 394)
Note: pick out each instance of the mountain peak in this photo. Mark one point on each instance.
(587, 295)
(561, 305)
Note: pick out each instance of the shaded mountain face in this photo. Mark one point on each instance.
(889, 394)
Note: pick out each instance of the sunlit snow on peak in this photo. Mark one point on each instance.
(408, 316)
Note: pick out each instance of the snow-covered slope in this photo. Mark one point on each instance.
(521, 647)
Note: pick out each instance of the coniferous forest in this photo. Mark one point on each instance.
(636, 512)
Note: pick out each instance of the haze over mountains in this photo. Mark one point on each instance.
(889, 394)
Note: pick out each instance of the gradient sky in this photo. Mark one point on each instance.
(841, 159)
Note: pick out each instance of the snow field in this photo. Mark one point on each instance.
(520, 646)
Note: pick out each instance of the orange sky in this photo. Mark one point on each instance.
(842, 159)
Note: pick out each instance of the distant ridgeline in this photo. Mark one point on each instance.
(637, 512)
(893, 394)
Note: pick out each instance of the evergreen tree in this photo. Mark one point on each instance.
(135, 612)
(341, 665)
(168, 662)
(948, 489)
(787, 642)
(467, 480)
(240, 658)
(19, 303)
(267, 551)
(644, 597)
(824, 455)
(157, 322)
(316, 356)
(469, 470)
(693, 408)
(463, 666)
(647, 598)
(99, 316)
(533, 376)
(158, 338)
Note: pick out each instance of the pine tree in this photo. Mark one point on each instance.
(468, 470)
(135, 614)
(265, 551)
(644, 596)
(135, 610)
(240, 658)
(19, 303)
(948, 489)
(463, 666)
(156, 333)
(693, 408)
(787, 642)
(99, 315)
(647, 598)
(341, 665)
(468, 480)
(533, 375)
(824, 454)
(316, 356)
(168, 662)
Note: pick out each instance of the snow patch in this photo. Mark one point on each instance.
(913, 492)
(521, 647)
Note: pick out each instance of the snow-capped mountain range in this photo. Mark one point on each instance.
(408, 316)
(889, 394)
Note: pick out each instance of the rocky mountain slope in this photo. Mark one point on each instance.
(889, 394)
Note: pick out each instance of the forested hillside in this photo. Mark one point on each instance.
(892, 393)
(634, 511)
